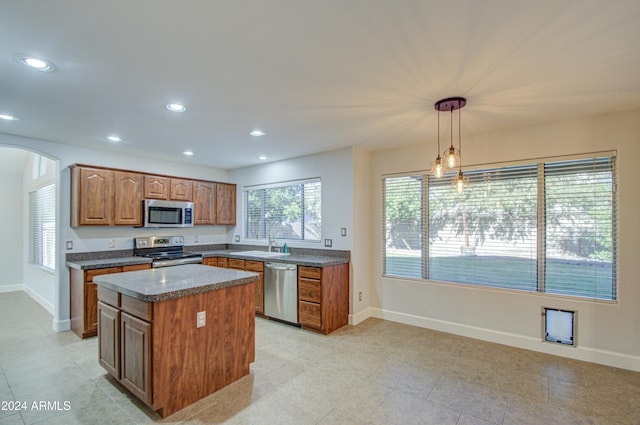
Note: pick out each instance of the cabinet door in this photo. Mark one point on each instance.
(181, 190)
(226, 203)
(91, 307)
(109, 338)
(93, 195)
(204, 199)
(129, 193)
(210, 261)
(135, 356)
(156, 187)
(260, 294)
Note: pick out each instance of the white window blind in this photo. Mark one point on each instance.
(580, 237)
(486, 235)
(286, 211)
(42, 227)
(547, 227)
(403, 226)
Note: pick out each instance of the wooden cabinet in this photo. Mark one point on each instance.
(107, 197)
(257, 267)
(323, 297)
(181, 190)
(135, 357)
(204, 199)
(245, 265)
(124, 341)
(225, 204)
(129, 193)
(155, 350)
(92, 196)
(84, 298)
(156, 187)
(169, 188)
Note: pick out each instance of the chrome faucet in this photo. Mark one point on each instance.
(270, 241)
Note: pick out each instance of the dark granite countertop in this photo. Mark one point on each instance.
(102, 263)
(311, 260)
(301, 257)
(172, 282)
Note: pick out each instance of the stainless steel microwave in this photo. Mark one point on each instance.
(159, 213)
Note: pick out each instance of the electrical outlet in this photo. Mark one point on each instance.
(201, 319)
(237, 238)
(343, 231)
(69, 244)
(328, 243)
(112, 243)
(195, 239)
(360, 296)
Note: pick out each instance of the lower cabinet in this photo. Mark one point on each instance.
(245, 265)
(124, 341)
(160, 355)
(84, 297)
(323, 297)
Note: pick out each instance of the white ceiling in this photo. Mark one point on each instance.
(315, 75)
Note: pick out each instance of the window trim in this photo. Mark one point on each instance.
(274, 185)
(540, 260)
(31, 260)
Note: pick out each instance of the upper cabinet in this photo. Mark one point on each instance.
(129, 193)
(204, 199)
(226, 203)
(102, 196)
(92, 196)
(169, 188)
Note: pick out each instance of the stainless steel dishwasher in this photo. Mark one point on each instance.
(281, 291)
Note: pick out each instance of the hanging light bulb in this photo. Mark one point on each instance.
(451, 155)
(437, 167)
(460, 182)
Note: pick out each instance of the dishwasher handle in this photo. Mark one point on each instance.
(281, 266)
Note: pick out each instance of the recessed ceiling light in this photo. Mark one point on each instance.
(176, 107)
(262, 157)
(36, 63)
(257, 133)
(115, 139)
(187, 153)
(8, 117)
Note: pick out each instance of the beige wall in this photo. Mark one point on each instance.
(607, 332)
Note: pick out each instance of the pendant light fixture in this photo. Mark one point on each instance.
(437, 167)
(453, 157)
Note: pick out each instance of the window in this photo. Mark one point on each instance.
(283, 211)
(42, 227)
(548, 227)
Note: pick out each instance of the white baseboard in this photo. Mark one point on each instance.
(360, 317)
(61, 325)
(11, 288)
(594, 355)
(38, 298)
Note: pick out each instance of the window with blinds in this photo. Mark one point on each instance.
(547, 227)
(284, 211)
(42, 227)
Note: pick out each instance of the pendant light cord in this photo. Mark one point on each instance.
(459, 142)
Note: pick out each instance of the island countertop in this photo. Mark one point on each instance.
(165, 283)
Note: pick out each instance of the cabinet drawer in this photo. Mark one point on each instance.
(137, 308)
(235, 263)
(309, 314)
(90, 274)
(310, 272)
(135, 267)
(210, 261)
(223, 262)
(108, 296)
(254, 266)
(309, 290)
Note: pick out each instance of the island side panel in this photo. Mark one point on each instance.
(190, 363)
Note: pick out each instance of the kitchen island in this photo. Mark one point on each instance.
(174, 335)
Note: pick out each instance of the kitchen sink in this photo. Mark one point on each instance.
(261, 254)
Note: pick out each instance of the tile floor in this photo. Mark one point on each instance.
(375, 373)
